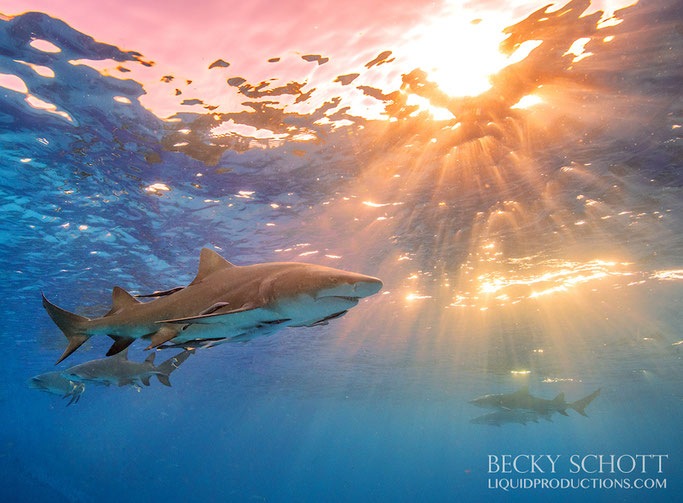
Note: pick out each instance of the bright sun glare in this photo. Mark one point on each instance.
(458, 52)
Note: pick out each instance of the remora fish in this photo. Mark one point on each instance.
(501, 417)
(119, 370)
(522, 399)
(223, 301)
(57, 384)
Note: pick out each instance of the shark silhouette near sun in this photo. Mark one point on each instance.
(224, 301)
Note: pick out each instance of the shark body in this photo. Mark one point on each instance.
(121, 371)
(224, 301)
(501, 417)
(523, 400)
(56, 384)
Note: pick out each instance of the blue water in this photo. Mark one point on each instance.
(529, 248)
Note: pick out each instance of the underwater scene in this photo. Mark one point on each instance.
(384, 251)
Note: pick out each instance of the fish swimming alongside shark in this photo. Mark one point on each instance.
(57, 384)
(503, 416)
(224, 301)
(523, 400)
(119, 370)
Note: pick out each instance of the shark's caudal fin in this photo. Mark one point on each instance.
(164, 370)
(580, 405)
(72, 325)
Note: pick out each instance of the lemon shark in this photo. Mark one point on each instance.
(224, 301)
(57, 384)
(522, 399)
(119, 370)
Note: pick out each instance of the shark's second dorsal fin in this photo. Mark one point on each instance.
(209, 262)
(121, 299)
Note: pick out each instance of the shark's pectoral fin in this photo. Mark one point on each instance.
(211, 318)
(145, 380)
(164, 334)
(120, 343)
(161, 293)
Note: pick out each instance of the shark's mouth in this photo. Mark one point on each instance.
(37, 384)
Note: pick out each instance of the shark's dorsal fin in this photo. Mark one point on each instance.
(524, 390)
(559, 398)
(150, 359)
(123, 355)
(209, 262)
(120, 299)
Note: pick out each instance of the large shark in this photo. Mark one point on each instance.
(223, 301)
(522, 399)
(57, 384)
(119, 370)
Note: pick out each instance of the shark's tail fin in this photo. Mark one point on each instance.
(580, 405)
(72, 325)
(164, 370)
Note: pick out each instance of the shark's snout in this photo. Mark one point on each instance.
(35, 383)
(367, 286)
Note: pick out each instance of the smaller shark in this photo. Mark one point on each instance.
(119, 370)
(523, 400)
(57, 384)
(503, 416)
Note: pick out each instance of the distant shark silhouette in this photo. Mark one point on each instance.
(119, 370)
(523, 400)
(223, 301)
(503, 416)
(57, 384)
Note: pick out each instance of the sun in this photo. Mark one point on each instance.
(458, 52)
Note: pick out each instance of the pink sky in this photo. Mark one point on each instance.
(183, 38)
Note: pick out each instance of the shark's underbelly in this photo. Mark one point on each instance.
(299, 311)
